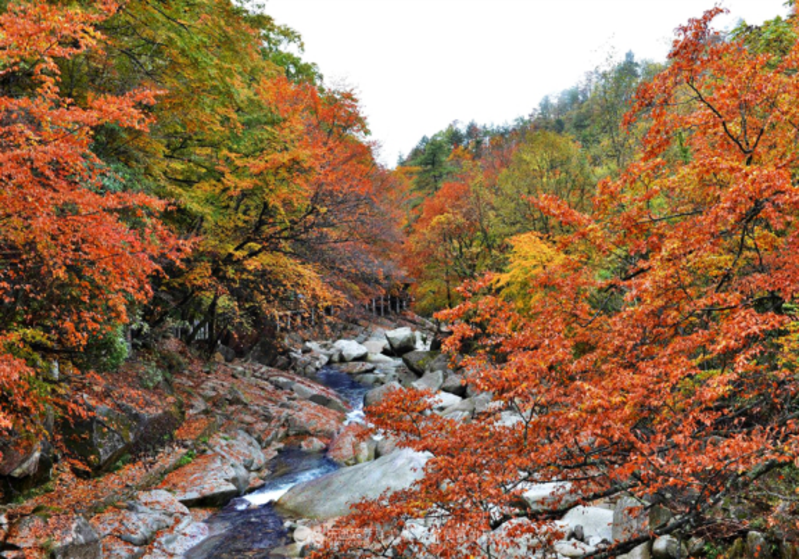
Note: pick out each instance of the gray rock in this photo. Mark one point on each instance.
(630, 519)
(356, 368)
(375, 395)
(643, 551)
(288, 550)
(143, 527)
(577, 533)
(380, 359)
(443, 400)
(309, 418)
(70, 537)
(404, 376)
(80, 542)
(417, 361)
(461, 411)
(668, 547)
(209, 480)
(24, 464)
(454, 385)
(401, 340)
(573, 548)
(595, 521)
(235, 397)
(370, 379)
(302, 534)
(240, 448)
(312, 444)
(439, 363)
(332, 495)
(431, 380)
(319, 396)
(482, 401)
(149, 513)
(696, 545)
(375, 347)
(100, 439)
(526, 546)
(107, 434)
(227, 353)
(351, 350)
(185, 536)
(541, 497)
(29, 465)
(419, 536)
(282, 362)
(158, 501)
(509, 418)
(385, 446)
(348, 449)
(659, 516)
(114, 548)
(281, 382)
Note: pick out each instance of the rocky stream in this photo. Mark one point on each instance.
(267, 459)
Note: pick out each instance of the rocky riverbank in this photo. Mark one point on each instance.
(293, 435)
(207, 440)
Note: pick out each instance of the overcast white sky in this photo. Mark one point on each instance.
(418, 65)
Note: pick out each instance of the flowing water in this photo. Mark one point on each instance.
(249, 526)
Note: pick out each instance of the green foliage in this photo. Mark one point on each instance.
(123, 461)
(186, 459)
(544, 162)
(592, 113)
(34, 492)
(171, 362)
(712, 550)
(775, 36)
(151, 375)
(563, 150)
(104, 352)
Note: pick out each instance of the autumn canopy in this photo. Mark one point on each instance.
(616, 275)
(647, 345)
(167, 169)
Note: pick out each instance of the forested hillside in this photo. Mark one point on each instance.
(190, 218)
(169, 168)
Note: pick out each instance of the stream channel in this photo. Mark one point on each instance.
(249, 526)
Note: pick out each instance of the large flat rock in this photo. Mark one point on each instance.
(209, 480)
(597, 522)
(401, 340)
(332, 495)
(417, 361)
(351, 350)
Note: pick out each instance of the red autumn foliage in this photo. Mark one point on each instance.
(74, 254)
(659, 355)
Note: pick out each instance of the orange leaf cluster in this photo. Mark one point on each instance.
(658, 356)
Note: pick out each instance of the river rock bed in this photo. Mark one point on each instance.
(284, 453)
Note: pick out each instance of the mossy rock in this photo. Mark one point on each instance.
(417, 361)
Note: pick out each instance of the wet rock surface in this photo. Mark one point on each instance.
(210, 480)
(68, 536)
(332, 495)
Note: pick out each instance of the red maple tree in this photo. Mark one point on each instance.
(76, 250)
(658, 357)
